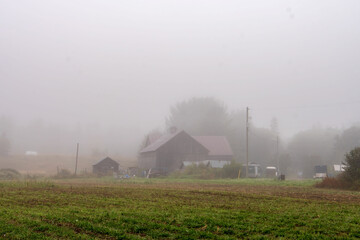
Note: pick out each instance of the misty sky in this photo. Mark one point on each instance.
(122, 64)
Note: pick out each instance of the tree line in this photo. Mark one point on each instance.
(297, 156)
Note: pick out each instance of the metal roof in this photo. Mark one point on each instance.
(159, 142)
(152, 137)
(106, 159)
(217, 145)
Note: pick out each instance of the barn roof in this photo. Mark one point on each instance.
(217, 145)
(107, 159)
(152, 137)
(159, 142)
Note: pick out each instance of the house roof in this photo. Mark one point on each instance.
(217, 145)
(159, 142)
(107, 159)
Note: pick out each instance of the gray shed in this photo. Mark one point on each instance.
(106, 166)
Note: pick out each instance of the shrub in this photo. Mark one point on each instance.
(352, 169)
(231, 170)
(199, 171)
(202, 171)
(337, 182)
(350, 179)
(63, 173)
(9, 174)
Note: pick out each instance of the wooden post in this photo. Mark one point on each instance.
(247, 142)
(77, 156)
(277, 154)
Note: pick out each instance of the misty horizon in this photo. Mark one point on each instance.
(118, 67)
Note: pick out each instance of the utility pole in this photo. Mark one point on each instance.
(247, 142)
(77, 156)
(277, 154)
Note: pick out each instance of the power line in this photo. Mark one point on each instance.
(325, 105)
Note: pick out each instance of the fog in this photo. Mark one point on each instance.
(105, 73)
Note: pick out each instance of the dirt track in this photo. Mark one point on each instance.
(301, 193)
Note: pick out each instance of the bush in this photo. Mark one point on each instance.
(352, 169)
(202, 171)
(199, 171)
(231, 170)
(63, 173)
(9, 174)
(333, 183)
(350, 179)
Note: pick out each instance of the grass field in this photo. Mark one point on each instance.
(176, 209)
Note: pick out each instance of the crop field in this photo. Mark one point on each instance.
(176, 209)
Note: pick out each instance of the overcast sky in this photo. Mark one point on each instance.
(124, 63)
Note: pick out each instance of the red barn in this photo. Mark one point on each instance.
(170, 151)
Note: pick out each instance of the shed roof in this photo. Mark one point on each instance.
(217, 145)
(107, 159)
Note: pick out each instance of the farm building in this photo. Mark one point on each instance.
(106, 166)
(169, 151)
(218, 146)
(174, 150)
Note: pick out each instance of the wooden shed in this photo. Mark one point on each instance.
(169, 151)
(106, 166)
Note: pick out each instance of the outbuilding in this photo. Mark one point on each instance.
(168, 152)
(106, 166)
(177, 149)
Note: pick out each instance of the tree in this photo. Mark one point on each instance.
(200, 116)
(4, 145)
(237, 134)
(208, 116)
(345, 142)
(150, 138)
(262, 141)
(262, 146)
(352, 162)
(312, 147)
(285, 163)
(274, 127)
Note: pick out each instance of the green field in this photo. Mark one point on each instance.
(176, 209)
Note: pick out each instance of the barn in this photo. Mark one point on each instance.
(106, 166)
(168, 152)
(176, 149)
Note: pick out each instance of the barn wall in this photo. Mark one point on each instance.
(181, 148)
(106, 167)
(147, 160)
